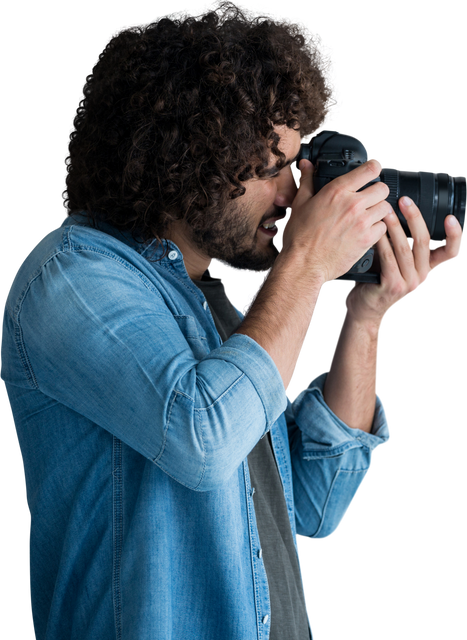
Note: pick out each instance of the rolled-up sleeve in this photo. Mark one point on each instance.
(329, 459)
(97, 336)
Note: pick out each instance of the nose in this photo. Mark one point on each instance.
(286, 188)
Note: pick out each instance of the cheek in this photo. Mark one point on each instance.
(259, 196)
(267, 194)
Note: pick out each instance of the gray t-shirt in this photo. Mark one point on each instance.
(288, 612)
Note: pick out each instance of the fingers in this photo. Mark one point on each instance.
(453, 242)
(306, 167)
(306, 189)
(352, 181)
(415, 263)
(359, 177)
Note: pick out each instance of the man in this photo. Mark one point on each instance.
(167, 475)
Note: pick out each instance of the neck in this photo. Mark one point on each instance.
(196, 262)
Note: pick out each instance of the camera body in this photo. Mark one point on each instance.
(437, 195)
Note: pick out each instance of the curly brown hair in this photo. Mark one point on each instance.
(178, 114)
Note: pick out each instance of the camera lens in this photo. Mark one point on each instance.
(436, 194)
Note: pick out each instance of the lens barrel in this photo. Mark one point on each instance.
(436, 193)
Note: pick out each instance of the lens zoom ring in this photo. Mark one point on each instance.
(391, 178)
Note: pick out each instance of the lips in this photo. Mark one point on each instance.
(272, 220)
(269, 232)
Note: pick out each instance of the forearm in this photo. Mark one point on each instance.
(281, 313)
(350, 389)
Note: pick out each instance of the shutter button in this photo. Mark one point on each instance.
(173, 255)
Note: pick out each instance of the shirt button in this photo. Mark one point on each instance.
(205, 305)
(265, 619)
(252, 492)
(260, 553)
(173, 255)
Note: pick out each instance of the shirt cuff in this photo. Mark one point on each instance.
(327, 435)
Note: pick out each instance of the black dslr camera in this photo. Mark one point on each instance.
(436, 194)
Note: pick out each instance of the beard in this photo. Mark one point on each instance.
(253, 260)
(231, 239)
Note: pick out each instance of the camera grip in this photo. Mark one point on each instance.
(359, 271)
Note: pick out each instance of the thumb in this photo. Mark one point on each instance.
(306, 189)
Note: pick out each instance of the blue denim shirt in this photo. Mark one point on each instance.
(134, 422)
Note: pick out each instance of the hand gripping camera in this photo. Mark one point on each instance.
(436, 194)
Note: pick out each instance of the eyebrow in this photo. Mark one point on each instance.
(276, 169)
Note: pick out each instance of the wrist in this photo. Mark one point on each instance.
(369, 324)
(302, 267)
(366, 306)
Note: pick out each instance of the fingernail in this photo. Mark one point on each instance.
(406, 201)
(452, 221)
